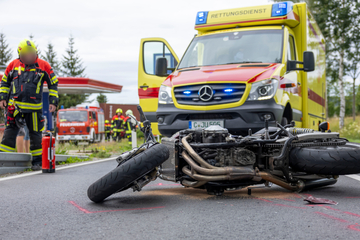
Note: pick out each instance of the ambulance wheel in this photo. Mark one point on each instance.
(124, 175)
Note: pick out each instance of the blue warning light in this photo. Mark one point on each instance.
(201, 18)
(281, 9)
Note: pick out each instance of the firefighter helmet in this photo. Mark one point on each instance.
(26, 45)
(119, 110)
(129, 112)
(106, 121)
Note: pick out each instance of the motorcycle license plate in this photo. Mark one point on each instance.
(205, 124)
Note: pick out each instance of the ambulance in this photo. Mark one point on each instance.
(80, 124)
(243, 66)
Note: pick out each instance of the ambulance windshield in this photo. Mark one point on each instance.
(73, 116)
(257, 46)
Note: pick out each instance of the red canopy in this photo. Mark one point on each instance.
(73, 85)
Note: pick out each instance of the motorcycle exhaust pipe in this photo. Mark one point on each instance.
(232, 171)
(200, 177)
(196, 156)
(195, 184)
(316, 183)
(280, 182)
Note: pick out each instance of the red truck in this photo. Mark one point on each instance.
(80, 124)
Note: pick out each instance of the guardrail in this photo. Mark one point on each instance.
(18, 162)
(14, 162)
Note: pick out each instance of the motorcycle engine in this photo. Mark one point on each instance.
(223, 155)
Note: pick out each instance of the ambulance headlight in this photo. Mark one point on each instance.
(165, 96)
(263, 90)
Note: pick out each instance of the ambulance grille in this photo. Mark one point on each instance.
(222, 93)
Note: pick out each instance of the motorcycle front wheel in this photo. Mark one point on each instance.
(121, 177)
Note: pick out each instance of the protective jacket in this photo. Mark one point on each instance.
(26, 90)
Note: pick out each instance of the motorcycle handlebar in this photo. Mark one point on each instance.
(142, 115)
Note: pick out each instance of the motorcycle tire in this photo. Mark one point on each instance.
(121, 177)
(326, 160)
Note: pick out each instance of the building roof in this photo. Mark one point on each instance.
(74, 85)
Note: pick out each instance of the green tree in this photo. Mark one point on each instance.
(101, 98)
(354, 66)
(72, 63)
(72, 67)
(5, 57)
(71, 100)
(5, 52)
(337, 21)
(51, 57)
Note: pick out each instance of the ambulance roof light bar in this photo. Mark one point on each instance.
(281, 8)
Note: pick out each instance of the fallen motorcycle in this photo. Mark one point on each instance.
(293, 158)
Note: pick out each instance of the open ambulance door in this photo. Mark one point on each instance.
(148, 83)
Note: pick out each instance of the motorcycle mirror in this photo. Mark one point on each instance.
(324, 126)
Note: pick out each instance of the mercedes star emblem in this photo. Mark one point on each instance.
(206, 93)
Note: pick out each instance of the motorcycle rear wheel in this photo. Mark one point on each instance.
(327, 160)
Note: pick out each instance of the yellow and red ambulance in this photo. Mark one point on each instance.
(244, 65)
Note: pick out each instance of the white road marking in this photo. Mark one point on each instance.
(354, 176)
(57, 169)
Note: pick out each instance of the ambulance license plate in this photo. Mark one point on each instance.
(205, 123)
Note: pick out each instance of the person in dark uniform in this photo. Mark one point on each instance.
(21, 93)
(107, 130)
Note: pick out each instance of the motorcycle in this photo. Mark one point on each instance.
(296, 159)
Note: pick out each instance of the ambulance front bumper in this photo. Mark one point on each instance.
(73, 137)
(238, 120)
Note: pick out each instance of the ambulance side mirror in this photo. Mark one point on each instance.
(161, 67)
(309, 63)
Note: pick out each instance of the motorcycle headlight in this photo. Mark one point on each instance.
(263, 90)
(165, 96)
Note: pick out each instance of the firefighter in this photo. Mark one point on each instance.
(107, 130)
(130, 125)
(21, 92)
(117, 122)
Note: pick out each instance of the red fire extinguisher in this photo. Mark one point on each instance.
(48, 153)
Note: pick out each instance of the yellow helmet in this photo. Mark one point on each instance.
(26, 45)
(129, 112)
(106, 121)
(119, 110)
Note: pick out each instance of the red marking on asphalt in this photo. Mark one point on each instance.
(265, 200)
(331, 217)
(354, 227)
(80, 208)
(331, 208)
(352, 214)
(345, 212)
(115, 210)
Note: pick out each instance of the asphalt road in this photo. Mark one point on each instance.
(55, 206)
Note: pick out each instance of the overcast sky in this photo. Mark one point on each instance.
(107, 33)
